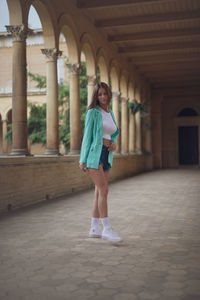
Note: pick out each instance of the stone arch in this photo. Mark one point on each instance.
(16, 12)
(114, 76)
(46, 19)
(103, 66)
(88, 48)
(9, 116)
(68, 28)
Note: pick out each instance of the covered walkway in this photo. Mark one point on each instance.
(45, 252)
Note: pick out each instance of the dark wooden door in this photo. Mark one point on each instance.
(188, 145)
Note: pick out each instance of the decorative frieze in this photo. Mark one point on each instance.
(19, 32)
(52, 54)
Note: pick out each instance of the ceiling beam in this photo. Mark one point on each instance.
(174, 79)
(176, 84)
(194, 91)
(159, 74)
(165, 59)
(149, 19)
(111, 3)
(169, 66)
(158, 47)
(149, 35)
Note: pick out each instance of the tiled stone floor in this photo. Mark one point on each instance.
(45, 253)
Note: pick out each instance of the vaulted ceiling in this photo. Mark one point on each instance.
(160, 38)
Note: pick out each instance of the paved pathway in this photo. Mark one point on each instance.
(45, 253)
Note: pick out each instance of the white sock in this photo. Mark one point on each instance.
(105, 222)
(94, 222)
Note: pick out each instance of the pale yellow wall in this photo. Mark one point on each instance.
(36, 64)
(5, 70)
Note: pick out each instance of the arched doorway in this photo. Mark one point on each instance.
(188, 139)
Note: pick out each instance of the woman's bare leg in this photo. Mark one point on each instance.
(100, 179)
(95, 210)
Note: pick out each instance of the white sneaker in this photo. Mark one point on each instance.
(95, 232)
(110, 235)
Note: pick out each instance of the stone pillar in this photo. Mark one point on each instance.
(19, 96)
(138, 133)
(124, 126)
(131, 132)
(52, 146)
(1, 136)
(115, 108)
(75, 123)
(91, 84)
(4, 132)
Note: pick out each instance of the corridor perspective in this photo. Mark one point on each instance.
(46, 253)
(52, 55)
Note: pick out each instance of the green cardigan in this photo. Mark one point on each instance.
(93, 139)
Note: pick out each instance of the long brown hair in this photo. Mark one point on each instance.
(95, 100)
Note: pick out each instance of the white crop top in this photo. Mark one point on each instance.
(109, 126)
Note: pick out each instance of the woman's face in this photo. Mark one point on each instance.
(102, 97)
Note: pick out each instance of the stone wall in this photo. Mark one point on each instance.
(28, 180)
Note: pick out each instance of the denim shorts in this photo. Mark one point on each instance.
(104, 159)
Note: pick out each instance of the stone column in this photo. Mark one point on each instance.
(19, 95)
(138, 133)
(4, 132)
(75, 123)
(131, 132)
(124, 126)
(1, 136)
(91, 84)
(115, 108)
(52, 146)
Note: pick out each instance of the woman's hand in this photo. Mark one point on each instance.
(112, 147)
(83, 167)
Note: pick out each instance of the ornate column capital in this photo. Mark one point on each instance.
(91, 79)
(51, 54)
(115, 95)
(73, 68)
(19, 32)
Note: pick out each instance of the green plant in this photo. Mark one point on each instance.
(39, 79)
(135, 106)
(37, 124)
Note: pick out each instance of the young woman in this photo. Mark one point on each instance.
(99, 142)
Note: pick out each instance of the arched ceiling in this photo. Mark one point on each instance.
(160, 38)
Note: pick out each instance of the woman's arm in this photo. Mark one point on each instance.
(87, 138)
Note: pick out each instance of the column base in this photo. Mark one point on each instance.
(124, 153)
(51, 152)
(74, 152)
(19, 152)
(139, 152)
